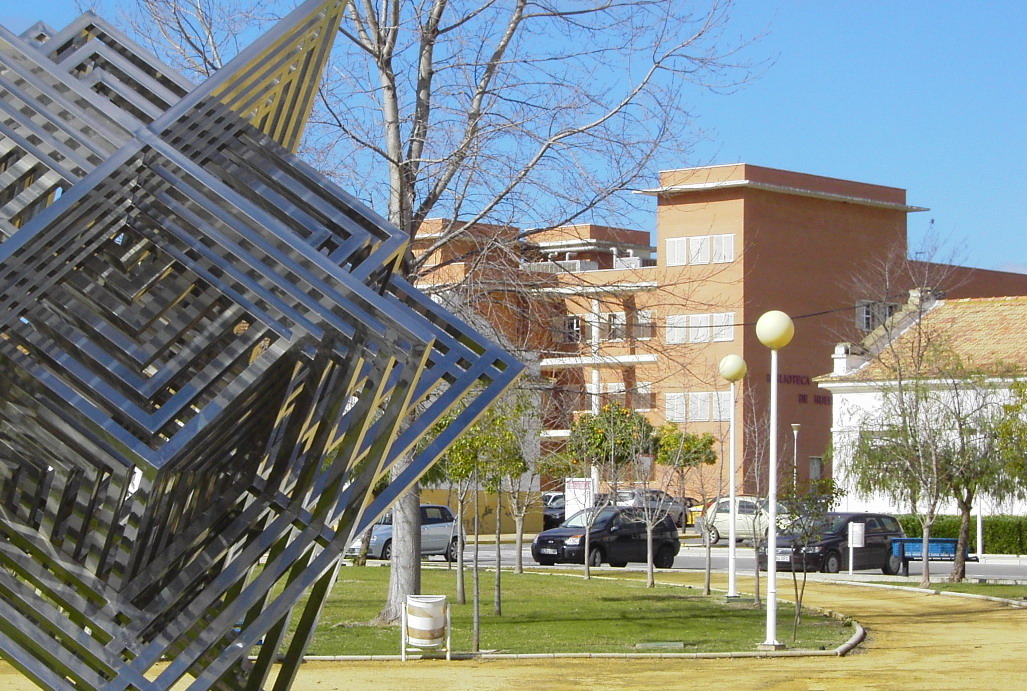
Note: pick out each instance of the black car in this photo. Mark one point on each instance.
(617, 536)
(553, 512)
(829, 550)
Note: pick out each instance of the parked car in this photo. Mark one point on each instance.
(553, 512)
(829, 551)
(439, 535)
(549, 497)
(654, 500)
(617, 536)
(750, 521)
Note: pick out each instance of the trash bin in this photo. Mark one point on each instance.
(425, 623)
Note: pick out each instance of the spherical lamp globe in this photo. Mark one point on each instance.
(775, 329)
(732, 367)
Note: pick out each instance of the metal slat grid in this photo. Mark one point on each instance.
(205, 362)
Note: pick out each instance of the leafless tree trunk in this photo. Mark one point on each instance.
(405, 574)
(497, 604)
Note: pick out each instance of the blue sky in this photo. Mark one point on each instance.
(927, 96)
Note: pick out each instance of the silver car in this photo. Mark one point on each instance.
(654, 500)
(439, 535)
(751, 518)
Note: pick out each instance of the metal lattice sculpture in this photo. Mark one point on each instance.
(206, 362)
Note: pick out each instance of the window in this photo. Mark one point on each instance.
(746, 508)
(723, 326)
(616, 326)
(722, 405)
(701, 249)
(699, 406)
(569, 329)
(675, 407)
(870, 314)
(699, 328)
(435, 514)
(677, 251)
(615, 393)
(723, 249)
(642, 329)
(816, 467)
(642, 396)
(677, 328)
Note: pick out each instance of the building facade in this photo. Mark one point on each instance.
(612, 314)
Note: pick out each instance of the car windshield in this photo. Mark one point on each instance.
(625, 496)
(581, 519)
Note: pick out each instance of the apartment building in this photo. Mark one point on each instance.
(618, 314)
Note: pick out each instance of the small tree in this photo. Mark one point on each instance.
(1011, 431)
(683, 452)
(805, 523)
(608, 441)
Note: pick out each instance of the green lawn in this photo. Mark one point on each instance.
(551, 613)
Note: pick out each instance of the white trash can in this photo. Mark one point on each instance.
(425, 623)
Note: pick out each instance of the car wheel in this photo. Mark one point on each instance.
(714, 535)
(619, 564)
(664, 558)
(387, 550)
(595, 557)
(454, 550)
(832, 562)
(892, 566)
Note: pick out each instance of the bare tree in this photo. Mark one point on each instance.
(532, 113)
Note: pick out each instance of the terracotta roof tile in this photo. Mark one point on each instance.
(988, 335)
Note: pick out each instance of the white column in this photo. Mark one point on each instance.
(772, 510)
(732, 590)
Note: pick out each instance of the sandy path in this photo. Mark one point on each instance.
(914, 641)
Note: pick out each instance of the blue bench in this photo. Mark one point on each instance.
(938, 549)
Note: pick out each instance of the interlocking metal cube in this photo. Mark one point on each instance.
(206, 360)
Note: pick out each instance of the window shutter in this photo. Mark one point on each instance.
(677, 251)
(723, 249)
(677, 328)
(699, 328)
(723, 326)
(675, 407)
(723, 405)
(699, 406)
(699, 250)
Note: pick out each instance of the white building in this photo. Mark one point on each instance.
(985, 335)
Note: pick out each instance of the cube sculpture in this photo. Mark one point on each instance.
(206, 362)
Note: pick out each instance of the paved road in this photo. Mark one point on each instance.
(693, 557)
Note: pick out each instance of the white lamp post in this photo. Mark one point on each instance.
(732, 368)
(775, 330)
(795, 457)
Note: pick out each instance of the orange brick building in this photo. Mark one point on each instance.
(613, 314)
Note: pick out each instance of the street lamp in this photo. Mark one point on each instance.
(732, 368)
(775, 330)
(795, 457)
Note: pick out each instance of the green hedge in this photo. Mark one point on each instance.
(1002, 534)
